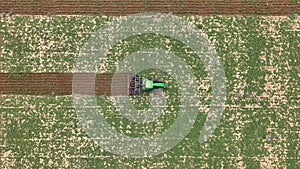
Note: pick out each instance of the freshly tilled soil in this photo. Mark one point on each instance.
(60, 84)
(126, 7)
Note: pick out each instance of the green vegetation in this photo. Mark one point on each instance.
(259, 125)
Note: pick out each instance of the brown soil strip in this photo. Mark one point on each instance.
(61, 83)
(125, 7)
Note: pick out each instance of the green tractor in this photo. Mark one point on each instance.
(153, 84)
(139, 84)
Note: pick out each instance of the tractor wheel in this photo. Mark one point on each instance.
(158, 90)
(159, 80)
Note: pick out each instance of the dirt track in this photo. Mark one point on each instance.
(60, 83)
(125, 7)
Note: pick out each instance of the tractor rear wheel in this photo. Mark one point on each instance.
(159, 80)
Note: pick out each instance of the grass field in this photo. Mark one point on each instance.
(259, 128)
